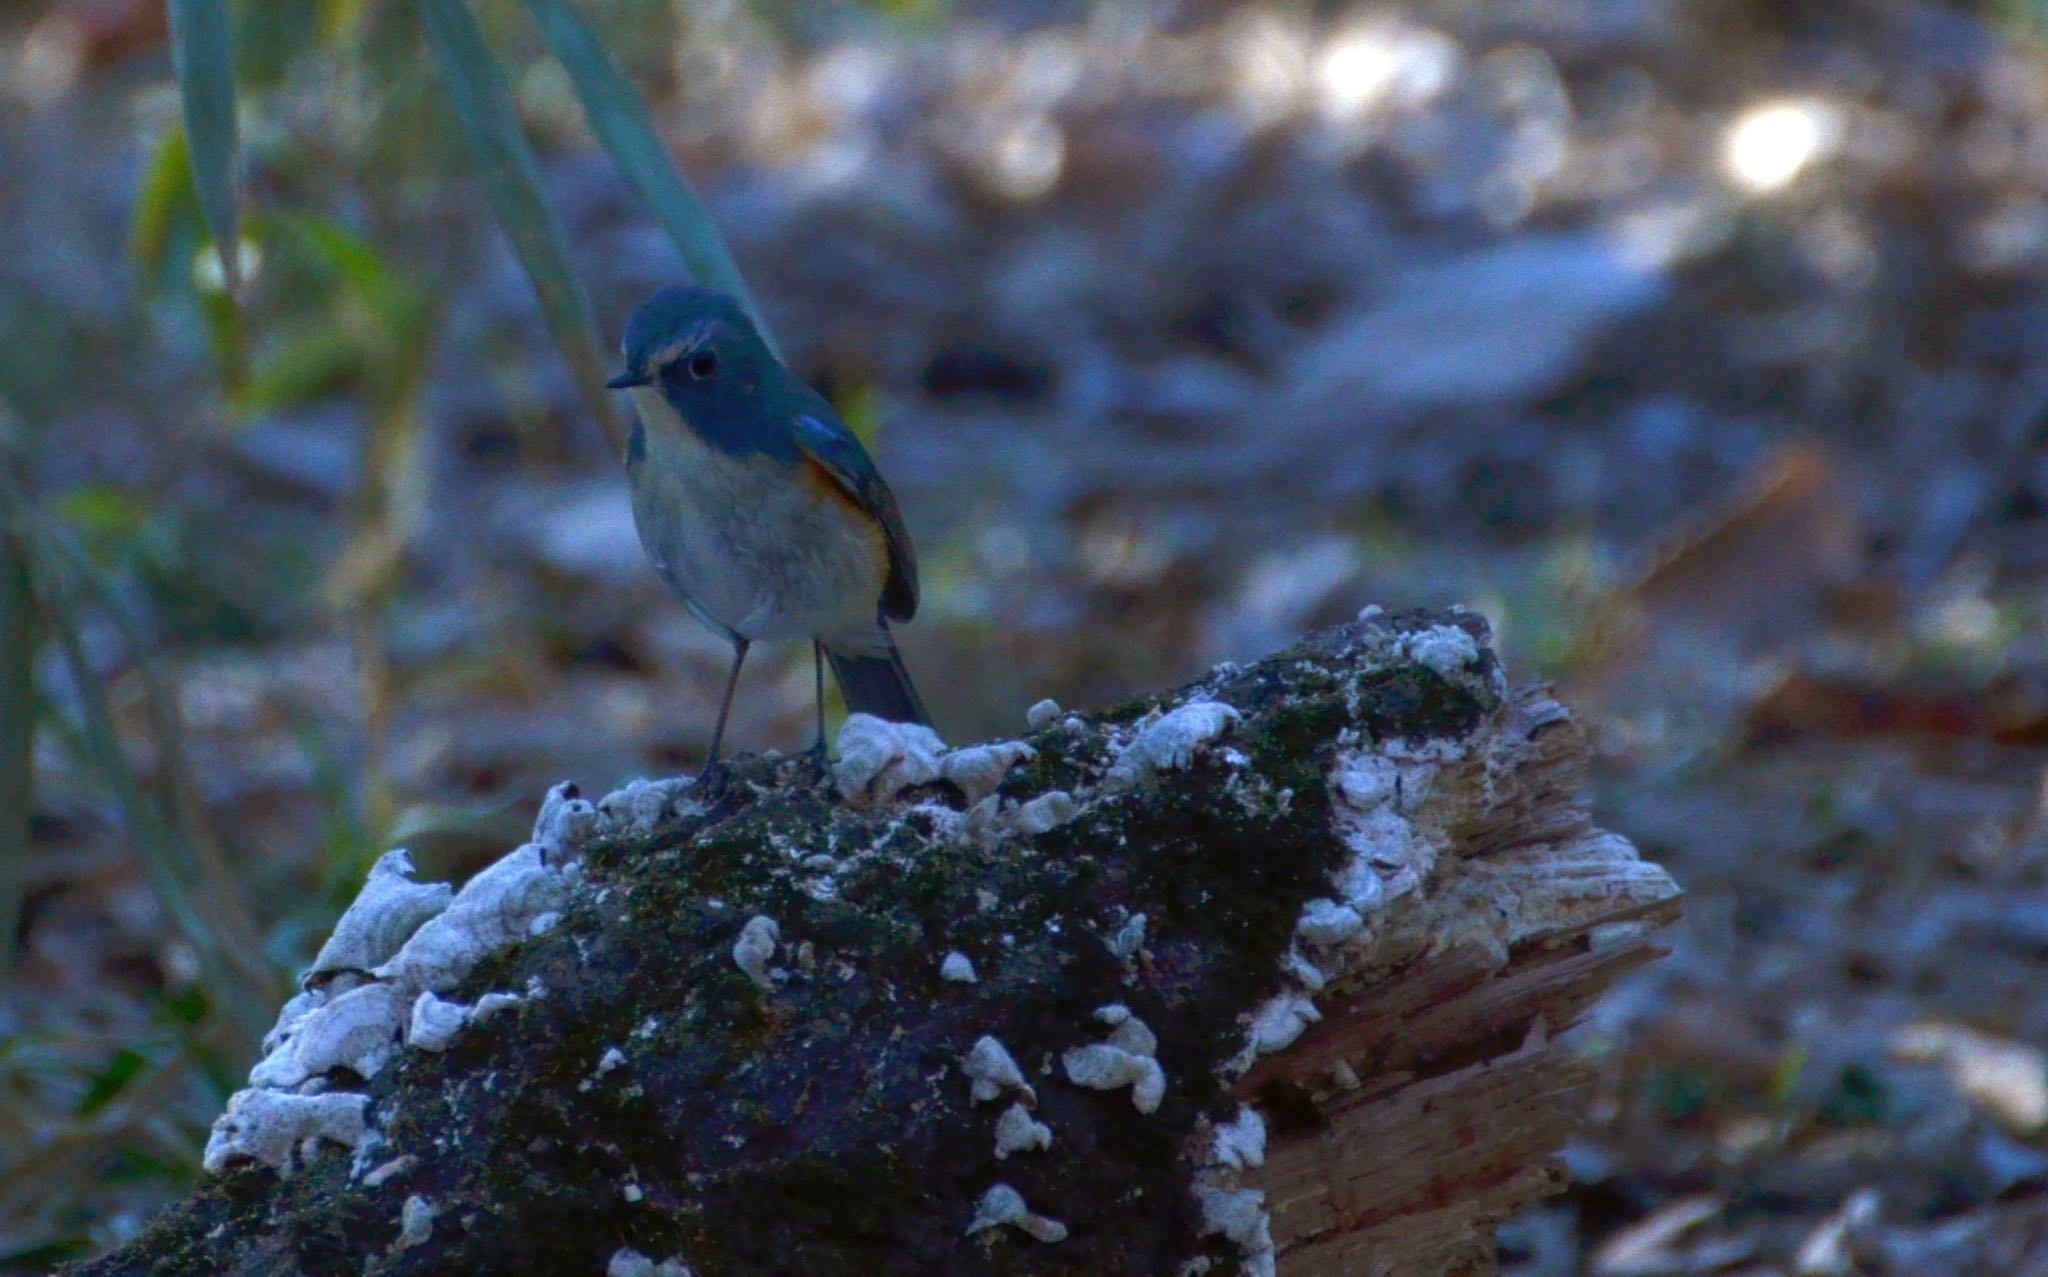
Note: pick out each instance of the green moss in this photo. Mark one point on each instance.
(824, 1127)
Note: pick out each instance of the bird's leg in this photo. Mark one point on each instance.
(818, 751)
(713, 773)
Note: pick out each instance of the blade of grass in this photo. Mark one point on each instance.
(202, 54)
(17, 729)
(620, 120)
(171, 857)
(222, 898)
(511, 180)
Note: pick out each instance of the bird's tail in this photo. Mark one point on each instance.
(878, 685)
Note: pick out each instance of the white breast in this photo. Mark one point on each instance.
(746, 541)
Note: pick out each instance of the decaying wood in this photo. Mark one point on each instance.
(1264, 976)
(1463, 1089)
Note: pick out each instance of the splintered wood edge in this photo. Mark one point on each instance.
(1462, 1093)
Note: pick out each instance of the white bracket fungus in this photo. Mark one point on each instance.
(415, 1223)
(1002, 1204)
(756, 948)
(643, 804)
(397, 941)
(268, 1125)
(1129, 940)
(389, 908)
(1170, 741)
(1127, 1030)
(1101, 1067)
(989, 1066)
(435, 1022)
(1306, 974)
(492, 1003)
(1327, 924)
(627, 1262)
(1124, 1060)
(566, 819)
(1443, 648)
(1048, 811)
(390, 1170)
(978, 769)
(1279, 1020)
(1018, 1132)
(291, 1015)
(1239, 1215)
(957, 968)
(495, 909)
(1241, 1142)
(358, 1030)
(879, 759)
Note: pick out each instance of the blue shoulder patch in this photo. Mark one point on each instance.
(837, 449)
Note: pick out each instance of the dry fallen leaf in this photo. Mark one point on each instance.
(2007, 1079)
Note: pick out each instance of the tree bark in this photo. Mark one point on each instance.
(1262, 976)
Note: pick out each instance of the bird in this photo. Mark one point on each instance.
(759, 509)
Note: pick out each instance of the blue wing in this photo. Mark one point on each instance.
(824, 440)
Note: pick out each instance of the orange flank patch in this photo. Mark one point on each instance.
(835, 493)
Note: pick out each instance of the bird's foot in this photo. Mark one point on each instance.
(817, 761)
(711, 782)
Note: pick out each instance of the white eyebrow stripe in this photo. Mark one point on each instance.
(689, 341)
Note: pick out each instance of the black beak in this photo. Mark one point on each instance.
(625, 381)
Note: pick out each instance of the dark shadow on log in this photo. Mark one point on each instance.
(1265, 975)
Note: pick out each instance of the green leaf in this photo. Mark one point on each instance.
(511, 181)
(164, 197)
(120, 1071)
(311, 361)
(620, 121)
(203, 55)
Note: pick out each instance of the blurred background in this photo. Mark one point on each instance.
(1701, 346)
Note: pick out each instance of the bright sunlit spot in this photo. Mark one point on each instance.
(1028, 157)
(1354, 70)
(207, 275)
(1772, 143)
(1366, 67)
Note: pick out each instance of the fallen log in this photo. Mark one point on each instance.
(1264, 976)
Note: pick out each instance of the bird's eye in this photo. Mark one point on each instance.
(703, 364)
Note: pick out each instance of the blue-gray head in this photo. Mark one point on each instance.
(700, 352)
(691, 341)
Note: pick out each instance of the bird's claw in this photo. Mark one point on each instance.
(712, 780)
(816, 759)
